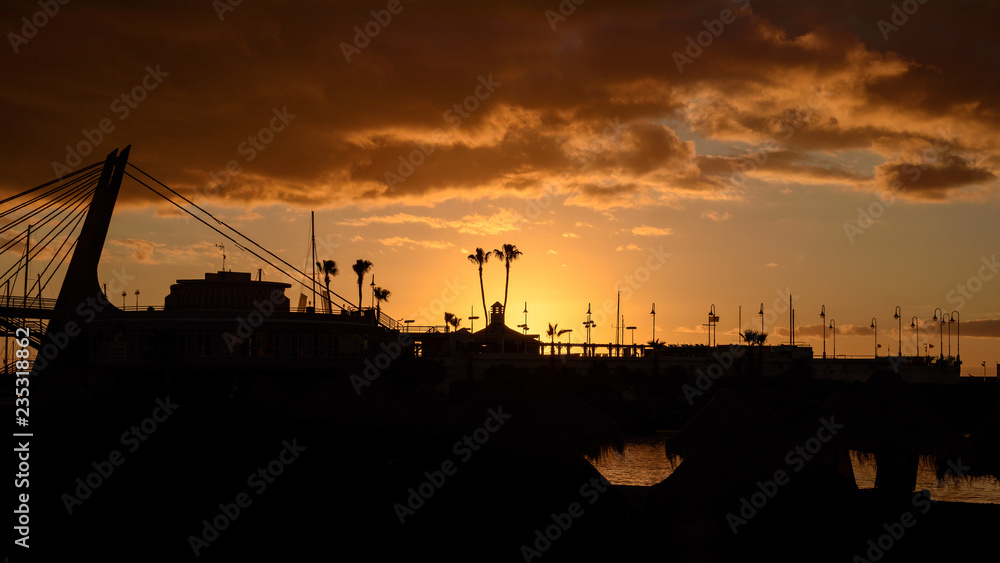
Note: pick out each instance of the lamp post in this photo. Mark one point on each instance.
(124, 295)
(940, 332)
(958, 335)
(915, 324)
(761, 313)
(833, 327)
(137, 300)
(950, 320)
(875, 329)
(569, 341)
(408, 322)
(526, 317)
(899, 331)
(822, 315)
(651, 312)
(711, 317)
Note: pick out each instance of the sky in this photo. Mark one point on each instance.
(689, 154)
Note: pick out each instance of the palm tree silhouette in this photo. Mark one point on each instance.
(480, 258)
(754, 337)
(329, 269)
(552, 333)
(451, 319)
(361, 267)
(508, 253)
(381, 295)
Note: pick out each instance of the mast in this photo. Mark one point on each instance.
(27, 258)
(312, 235)
(618, 323)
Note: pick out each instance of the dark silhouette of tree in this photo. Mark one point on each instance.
(508, 253)
(361, 267)
(329, 269)
(480, 258)
(753, 337)
(381, 295)
(451, 320)
(552, 333)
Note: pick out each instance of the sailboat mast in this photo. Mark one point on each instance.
(27, 257)
(312, 235)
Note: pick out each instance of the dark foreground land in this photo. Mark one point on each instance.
(304, 469)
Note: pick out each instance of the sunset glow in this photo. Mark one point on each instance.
(688, 154)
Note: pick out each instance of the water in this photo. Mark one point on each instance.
(644, 463)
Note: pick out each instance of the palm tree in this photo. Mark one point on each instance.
(754, 337)
(508, 253)
(451, 320)
(552, 333)
(380, 296)
(480, 258)
(329, 269)
(361, 267)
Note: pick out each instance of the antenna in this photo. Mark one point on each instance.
(223, 247)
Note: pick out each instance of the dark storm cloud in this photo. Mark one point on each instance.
(415, 82)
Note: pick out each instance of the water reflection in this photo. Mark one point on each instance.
(644, 464)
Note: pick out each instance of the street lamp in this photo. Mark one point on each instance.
(915, 324)
(899, 331)
(950, 320)
(958, 335)
(761, 313)
(408, 322)
(822, 315)
(833, 327)
(137, 300)
(569, 341)
(713, 320)
(940, 331)
(526, 317)
(124, 295)
(875, 329)
(632, 328)
(651, 312)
